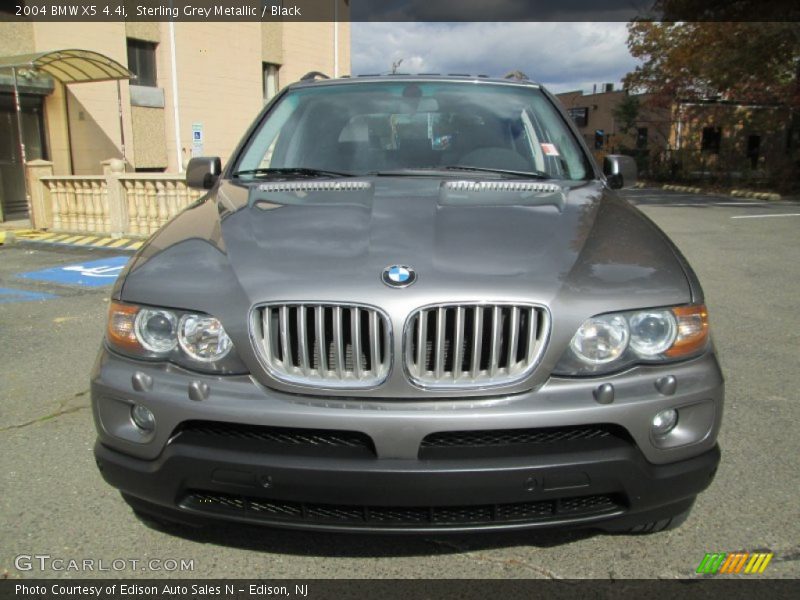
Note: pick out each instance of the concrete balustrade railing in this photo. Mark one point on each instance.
(78, 204)
(114, 203)
(154, 200)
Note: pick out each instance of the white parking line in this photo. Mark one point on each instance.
(766, 216)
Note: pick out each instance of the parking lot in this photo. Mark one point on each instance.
(54, 502)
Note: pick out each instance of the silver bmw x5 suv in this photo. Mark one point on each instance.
(410, 304)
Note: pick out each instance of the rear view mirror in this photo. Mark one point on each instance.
(620, 171)
(202, 172)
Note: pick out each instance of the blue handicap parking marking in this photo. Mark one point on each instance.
(8, 295)
(94, 273)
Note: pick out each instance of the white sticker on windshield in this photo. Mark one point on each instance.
(549, 149)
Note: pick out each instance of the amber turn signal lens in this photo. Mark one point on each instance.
(120, 331)
(692, 330)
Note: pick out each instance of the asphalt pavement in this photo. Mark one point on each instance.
(54, 502)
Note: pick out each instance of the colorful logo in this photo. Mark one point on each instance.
(398, 276)
(735, 562)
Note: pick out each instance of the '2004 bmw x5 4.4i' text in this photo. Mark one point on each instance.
(410, 304)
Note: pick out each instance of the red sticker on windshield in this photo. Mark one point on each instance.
(549, 149)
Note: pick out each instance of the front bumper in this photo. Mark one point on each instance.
(607, 482)
(606, 489)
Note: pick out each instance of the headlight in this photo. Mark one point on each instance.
(192, 340)
(610, 342)
(652, 332)
(155, 329)
(601, 340)
(203, 338)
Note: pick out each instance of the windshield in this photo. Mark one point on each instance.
(395, 127)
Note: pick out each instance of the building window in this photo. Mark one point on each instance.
(641, 138)
(269, 80)
(712, 136)
(142, 61)
(580, 115)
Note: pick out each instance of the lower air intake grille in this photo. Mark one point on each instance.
(323, 345)
(400, 516)
(504, 437)
(474, 345)
(283, 440)
(497, 443)
(280, 435)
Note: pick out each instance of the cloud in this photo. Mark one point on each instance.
(562, 56)
(499, 10)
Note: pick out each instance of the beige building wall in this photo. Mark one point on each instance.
(94, 114)
(219, 81)
(307, 47)
(149, 138)
(345, 64)
(272, 42)
(219, 84)
(16, 38)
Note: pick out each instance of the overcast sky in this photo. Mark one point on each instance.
(563, 56)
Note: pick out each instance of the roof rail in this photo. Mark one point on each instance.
(518, 75)
(313, 75)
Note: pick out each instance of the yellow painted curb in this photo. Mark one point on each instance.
(119, 243)
(82, 241)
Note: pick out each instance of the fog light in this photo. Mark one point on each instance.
(143, 418)
(664, 422)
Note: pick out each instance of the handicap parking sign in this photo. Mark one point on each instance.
(95, 273)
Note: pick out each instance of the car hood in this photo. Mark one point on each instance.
(578, 251)
(580, 245)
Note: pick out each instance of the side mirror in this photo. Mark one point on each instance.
(202, 172)
(620, 171)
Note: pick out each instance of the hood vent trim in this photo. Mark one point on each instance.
(501, 186)
(315, 186)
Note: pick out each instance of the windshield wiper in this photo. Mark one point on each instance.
(526, 174)
(412, 171)
(299, 172)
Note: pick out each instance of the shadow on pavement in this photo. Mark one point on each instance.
(356, 545)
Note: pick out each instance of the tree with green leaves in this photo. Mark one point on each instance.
(626, 114)
(754, 65)
(746, 62)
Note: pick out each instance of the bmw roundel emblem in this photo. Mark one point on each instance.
(399, 276)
